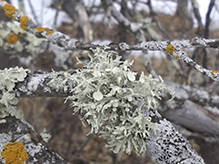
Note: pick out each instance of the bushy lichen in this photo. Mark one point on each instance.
(9, 77)
(111, 99)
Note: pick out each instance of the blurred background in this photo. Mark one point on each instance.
(88, 21)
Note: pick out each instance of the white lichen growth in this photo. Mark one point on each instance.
(111, 99)
(9, 78)
(45, 136)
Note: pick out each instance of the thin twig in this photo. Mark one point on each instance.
(208, 19)
(33, 12)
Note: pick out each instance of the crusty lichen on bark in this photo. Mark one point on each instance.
(8, 80)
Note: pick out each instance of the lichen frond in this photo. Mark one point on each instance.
(110, 98)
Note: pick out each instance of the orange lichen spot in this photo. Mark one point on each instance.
(41, 29)
(12, 39)
(9, 10)
(49, 32)
(213, 73)
(170, 49)
(15, 153)
(177, 57)
(23, 22)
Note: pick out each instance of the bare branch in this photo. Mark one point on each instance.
(198, 17)
(124, 21)
(208, 19)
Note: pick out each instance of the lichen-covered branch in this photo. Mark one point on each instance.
(194, 109)
(174, 48)
(37, 85)
(169, 146)
(119, 108)
(201, 96)
(28, 25)
(19, 143)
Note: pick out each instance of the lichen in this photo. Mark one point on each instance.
(45, 136)
(15, 153)
(9, 10)
(42, 29)
(49, 32)
(23, 22)
(170, 49)
(213, 73)
(12, 39)
(9, 77)
(111, 99)
(29, 43)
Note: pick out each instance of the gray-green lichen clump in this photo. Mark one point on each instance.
(111, 99)
(31, 44)
(8, 100)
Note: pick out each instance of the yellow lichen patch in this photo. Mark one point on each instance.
(12, 39)
(49, 32)
(23, 22)
(213, 73)
(63, 74)
(170, 49)
(177, 57)
(41, 29)
(14, 153)
(9, 10)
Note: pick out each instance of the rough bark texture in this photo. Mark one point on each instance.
(169, 146)
(15, 130)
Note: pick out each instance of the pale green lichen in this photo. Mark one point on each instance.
(9, 78)
(45, 136)
(111, 99)
(31, 44)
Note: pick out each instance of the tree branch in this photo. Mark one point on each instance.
(16, 130)
(37, 85)
(208, 19)
(174, 48)
(169, 146)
